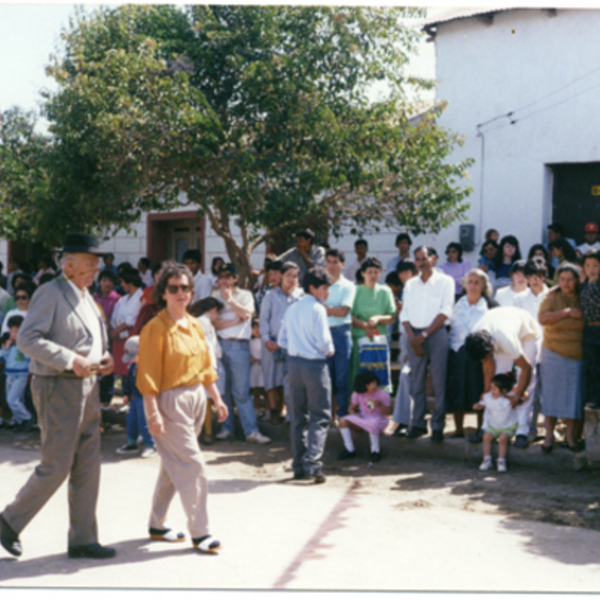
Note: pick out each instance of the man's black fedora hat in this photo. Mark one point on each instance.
(83, 243)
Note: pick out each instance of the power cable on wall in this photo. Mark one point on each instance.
(511, 113)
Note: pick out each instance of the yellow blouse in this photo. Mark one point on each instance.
(172, 355)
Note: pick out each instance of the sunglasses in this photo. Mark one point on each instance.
(173, 289)
(21, 297)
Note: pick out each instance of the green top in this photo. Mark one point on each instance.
(371, 302)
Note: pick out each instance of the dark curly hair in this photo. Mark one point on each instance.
(363, 379)
(479, 344)
(170, 269)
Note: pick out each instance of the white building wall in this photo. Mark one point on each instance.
(520, 63)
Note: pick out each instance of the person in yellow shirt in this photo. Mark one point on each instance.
(174, 370)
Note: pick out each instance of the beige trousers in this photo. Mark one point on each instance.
(182, 465)
(69, 419)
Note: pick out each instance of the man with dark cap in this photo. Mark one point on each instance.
(65, 337)
(305, 254)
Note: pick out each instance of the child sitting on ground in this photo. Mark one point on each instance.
(499, 419)
(368, 409)
(17, 376)
(136, 419)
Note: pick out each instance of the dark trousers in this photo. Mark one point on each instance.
(436, 356)
(339, 367)
(310, 404)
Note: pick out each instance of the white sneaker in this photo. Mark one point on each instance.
(486, 465)
(501, 465)
(256, 437)
(148, 452)
(224, 435)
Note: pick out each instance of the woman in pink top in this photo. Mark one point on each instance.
(369, 407)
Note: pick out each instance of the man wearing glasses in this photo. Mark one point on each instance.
(64, 335)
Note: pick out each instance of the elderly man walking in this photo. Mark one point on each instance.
(65, 337)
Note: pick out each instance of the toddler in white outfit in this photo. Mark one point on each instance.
(499, 419)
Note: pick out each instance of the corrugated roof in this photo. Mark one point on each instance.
(455, 14)
(452, 14)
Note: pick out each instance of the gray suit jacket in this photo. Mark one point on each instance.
(54, 329)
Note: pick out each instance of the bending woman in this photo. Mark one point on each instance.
(174, 368)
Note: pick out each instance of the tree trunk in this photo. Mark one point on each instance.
(240, 257)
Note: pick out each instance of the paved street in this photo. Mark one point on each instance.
(363, 530)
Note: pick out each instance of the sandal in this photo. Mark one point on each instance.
(166, 535)
(206, 544)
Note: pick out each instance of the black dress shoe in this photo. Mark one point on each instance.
(416, 432)
(437, 436)
(91, 551)
(9, 538)
(299, 475)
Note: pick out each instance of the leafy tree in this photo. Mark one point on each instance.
(261, 115)
(24, 179)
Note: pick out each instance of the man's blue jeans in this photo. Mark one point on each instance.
(339, 367)
(236, 361)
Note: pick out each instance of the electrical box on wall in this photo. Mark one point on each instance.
(466, 234)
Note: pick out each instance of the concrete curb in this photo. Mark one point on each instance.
(456, 449)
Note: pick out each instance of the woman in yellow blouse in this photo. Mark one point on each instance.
(173, 371)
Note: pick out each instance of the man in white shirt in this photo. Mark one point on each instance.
(427, 305)
(591, 239)
(361, 247)
(504, 337)
(234, 330)
(203, 284)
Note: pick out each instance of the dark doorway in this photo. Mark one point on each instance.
(576, 197)
(27, 254)
(171, 234)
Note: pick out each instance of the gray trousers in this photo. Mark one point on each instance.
(436, 356)
(69, 419)
(310, 404)
(181, 462)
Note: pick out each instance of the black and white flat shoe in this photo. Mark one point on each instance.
(207, 544)
(166, 535)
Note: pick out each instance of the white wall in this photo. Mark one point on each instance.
(485, 71)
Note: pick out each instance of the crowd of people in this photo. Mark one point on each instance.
(508, 340)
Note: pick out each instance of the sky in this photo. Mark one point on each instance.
(30, 34)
